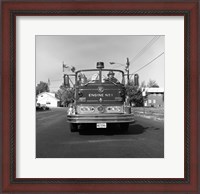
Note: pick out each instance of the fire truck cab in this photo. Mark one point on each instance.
(100, 98)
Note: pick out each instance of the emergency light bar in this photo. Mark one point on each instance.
(100, 65)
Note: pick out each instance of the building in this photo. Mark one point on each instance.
(48, 98)
(154, 97)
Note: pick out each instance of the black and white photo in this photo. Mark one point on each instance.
(100, 96)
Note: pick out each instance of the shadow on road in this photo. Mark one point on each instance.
(136, 129)
(112, 129)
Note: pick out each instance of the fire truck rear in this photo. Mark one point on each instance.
(100, 98)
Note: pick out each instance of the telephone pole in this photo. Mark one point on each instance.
(127, 69)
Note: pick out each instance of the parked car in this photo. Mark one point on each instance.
(41, 106)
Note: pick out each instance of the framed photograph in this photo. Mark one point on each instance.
(100, 96)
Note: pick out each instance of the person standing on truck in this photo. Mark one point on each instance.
(81, 79)
(111, 77)
(95, 77)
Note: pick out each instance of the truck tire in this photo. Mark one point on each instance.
(73, 127)
(124, 126)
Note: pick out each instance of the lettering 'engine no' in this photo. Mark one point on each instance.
(100, 95)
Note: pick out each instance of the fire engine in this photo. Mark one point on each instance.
(99, 98)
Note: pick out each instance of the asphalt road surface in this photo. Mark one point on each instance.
(144, 139)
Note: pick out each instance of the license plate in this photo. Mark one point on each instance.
(101, 125)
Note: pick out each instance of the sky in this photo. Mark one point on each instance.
(145, 53)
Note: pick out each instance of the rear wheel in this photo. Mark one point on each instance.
(124, 126)
(73, 127)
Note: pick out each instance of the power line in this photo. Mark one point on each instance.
(148, 45)
(147, 63)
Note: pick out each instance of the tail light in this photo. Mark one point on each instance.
(114, 109)
(87, 109)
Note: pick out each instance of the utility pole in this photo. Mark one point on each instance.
(63, 66)
(127, 69)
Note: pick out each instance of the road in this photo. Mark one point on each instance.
(144, 139)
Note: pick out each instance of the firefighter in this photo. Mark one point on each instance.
(111, 77)
(82, 79)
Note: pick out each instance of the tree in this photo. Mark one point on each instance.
(65, 95)
(152, 84)
(134, 93)
(42, 87)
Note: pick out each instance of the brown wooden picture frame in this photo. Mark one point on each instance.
(188, 9)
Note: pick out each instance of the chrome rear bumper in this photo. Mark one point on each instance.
(101, 118)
